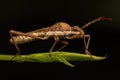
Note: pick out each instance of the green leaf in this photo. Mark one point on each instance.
(57, 56)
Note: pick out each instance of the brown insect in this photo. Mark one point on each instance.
(57, 31)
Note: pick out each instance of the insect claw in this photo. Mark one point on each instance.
(17, 54)
(50, 54)
(88, 53)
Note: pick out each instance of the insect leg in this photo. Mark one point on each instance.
(16, 46)
(12, 32)
(56, 40)
(86, 44)
(28, 35)
(74, 37)
(65, 44)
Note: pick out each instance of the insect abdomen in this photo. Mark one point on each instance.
(21, 39)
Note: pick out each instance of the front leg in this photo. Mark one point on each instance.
(77, 36)
(86, 44)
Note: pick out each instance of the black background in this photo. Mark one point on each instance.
(26, 15)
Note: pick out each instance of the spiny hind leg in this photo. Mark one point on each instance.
(12, 32)
(16, 46)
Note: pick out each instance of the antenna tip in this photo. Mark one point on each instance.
(106, 18)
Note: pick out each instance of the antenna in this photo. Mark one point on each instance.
(95, 20)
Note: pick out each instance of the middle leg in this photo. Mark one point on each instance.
(65, 44)
(51, 49)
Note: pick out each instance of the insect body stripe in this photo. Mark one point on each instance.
(26, 39)
(21, 39)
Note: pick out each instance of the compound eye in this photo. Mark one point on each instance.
(74, 28)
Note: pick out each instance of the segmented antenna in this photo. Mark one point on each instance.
(96, 20)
